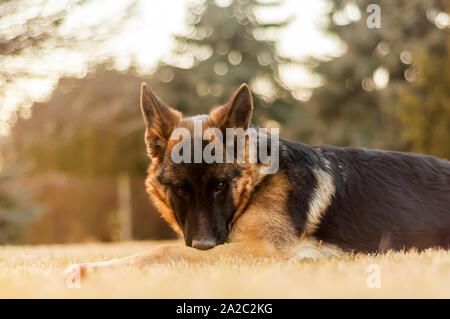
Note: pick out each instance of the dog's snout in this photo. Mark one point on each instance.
(203, 244)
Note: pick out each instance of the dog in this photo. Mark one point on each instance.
(323, 201)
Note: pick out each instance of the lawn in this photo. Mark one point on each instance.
(38, 271)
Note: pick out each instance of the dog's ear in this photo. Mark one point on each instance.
(160, 120)
(237, 113)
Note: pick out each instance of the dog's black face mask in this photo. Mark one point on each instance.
(202, 197)
(202, 200)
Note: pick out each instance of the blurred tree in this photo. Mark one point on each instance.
(424, 106)
(227, 46)
(38, 25)
(38, 37)
(15, 210)
(95, 130)
(358, 98)
(81, 143)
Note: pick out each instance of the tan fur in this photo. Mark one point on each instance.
(265, 218)
(322, 197)
(242, 190)
(217, 115)
(157, 194)
(251, 177)
(168, 254)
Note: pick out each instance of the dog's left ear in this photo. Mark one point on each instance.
(160, 120)
(237, 113)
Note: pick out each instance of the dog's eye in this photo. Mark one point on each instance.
(180, 190)
(220, 185)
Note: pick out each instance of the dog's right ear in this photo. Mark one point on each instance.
(237, 113)
(160, 120)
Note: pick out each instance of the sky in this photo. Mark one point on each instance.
(148, 38)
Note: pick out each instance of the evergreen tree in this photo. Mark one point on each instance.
(90, 132)
(424, 107)
(15, 212)
(32, 33)
(354, 102)
(98, 133)
(228, 46)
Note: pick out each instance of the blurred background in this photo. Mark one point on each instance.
(72, 153)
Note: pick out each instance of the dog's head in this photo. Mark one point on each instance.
(199, 200)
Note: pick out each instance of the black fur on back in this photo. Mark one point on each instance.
(402, 198)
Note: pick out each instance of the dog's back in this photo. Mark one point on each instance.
(386, 200)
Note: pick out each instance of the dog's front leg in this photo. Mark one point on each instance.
(178, 253)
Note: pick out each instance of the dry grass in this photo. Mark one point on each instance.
(37, 271)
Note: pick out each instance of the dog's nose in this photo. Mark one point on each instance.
(203, 244)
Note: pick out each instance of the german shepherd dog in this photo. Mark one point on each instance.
(322, 201)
